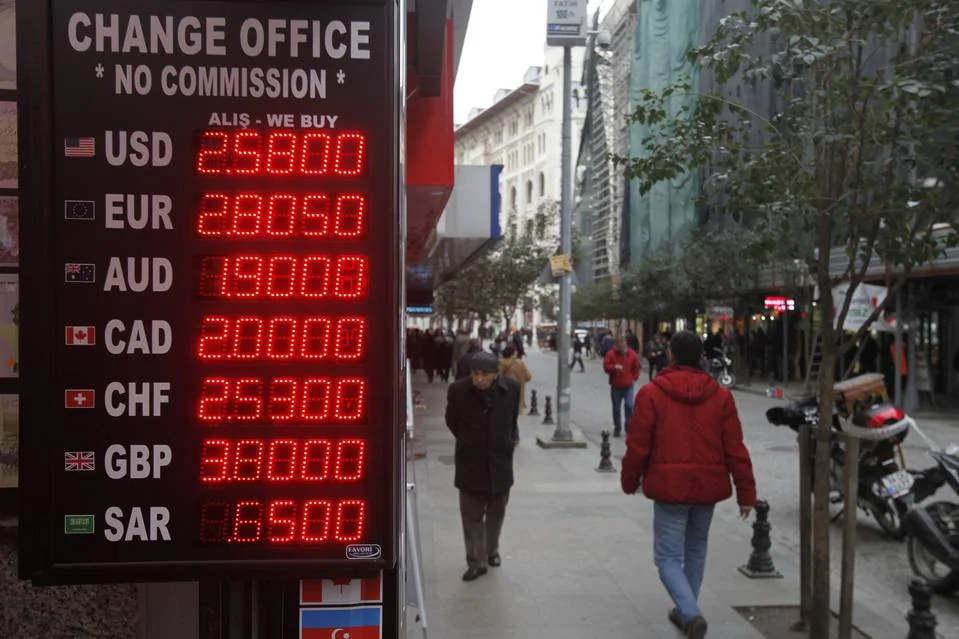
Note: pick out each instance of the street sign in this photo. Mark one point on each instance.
(210, 270)
(566, 23)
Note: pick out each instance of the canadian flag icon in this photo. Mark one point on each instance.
(341, 591)
(81, 336)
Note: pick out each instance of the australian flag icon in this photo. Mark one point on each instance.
(79, 273)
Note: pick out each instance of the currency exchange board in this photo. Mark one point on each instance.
(210, 304)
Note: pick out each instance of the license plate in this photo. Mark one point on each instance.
(898, 483)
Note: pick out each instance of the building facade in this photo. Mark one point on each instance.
(522, 131)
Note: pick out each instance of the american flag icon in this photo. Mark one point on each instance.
(79, 147)
(79, 461)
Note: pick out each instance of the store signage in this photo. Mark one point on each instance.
(210, 359)
(777, 303)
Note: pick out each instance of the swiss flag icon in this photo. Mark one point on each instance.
(79, 398)
(81, 336)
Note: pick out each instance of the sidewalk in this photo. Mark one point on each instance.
(577, 553)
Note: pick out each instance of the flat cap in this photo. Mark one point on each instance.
(484, 362)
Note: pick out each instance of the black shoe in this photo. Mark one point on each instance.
(676, 620)
(473, 573)
(495, 560)
(617, 433)
(696, 628)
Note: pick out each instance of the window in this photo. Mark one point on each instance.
(529, 191)
(512, 198)
(542, 184)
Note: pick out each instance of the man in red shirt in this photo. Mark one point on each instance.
(684, 442)
(622, 366)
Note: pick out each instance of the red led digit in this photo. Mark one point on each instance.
(214, 522)
(316, 521)
(281, 340)
(247, 215)
(247, 337)
(315, 159)
(316, 399)
(316, 338)
(349, 219)
(214, 216)
(281, 461)
(281, 153)
(350, 277)
(349, 156)
(283, 396)
(281, 216)
(350, 520)
(247, 277)
(211, 158)
(315, 220)
(281, 521)
(350, 463)
(247, 522)
(315, 280)
(214, 342)
(316, 460)
(248, 399)
(214, 399)
(248, 460)
(246, 152)
(350, 402)
(281, 276)
(214, 277)
(350, 338)
(215, 460)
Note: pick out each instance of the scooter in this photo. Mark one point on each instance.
(884, 489)
(720, 366)
(933, 529)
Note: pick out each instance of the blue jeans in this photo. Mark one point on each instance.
(680, 539)
(621, 396)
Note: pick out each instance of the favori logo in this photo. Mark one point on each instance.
(363, 551)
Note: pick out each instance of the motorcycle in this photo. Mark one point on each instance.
(933, 529)
(884, 489)
(720, 366)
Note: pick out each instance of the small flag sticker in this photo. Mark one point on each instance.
(79, 147)
(74, 273)
(79, 398)
(79, 210)
(78, 524)
(79, 461)
(341, 591)
(81, 336)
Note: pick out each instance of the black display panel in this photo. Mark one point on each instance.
(211, 271)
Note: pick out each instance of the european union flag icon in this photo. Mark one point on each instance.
(79, 210)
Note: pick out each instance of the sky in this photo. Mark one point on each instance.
(503, 39)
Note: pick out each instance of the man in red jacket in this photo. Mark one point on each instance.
(622, 366)
(684, 442)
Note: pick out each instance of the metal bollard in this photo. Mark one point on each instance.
(533, 404)
(760, 564)
(922, 623)
(605, 456)
(548, 412)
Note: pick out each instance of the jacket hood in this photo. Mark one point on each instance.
(686, 385)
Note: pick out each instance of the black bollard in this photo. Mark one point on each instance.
(605, 456)
(548, 412)
(533, 404)
(760, 564)
(922, 623)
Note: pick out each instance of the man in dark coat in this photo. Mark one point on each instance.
(482, 412)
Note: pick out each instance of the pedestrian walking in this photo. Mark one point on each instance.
(656, 354)
(482, 412)
(577, 354)
(622, 365)
(513, 367)
(684, 442)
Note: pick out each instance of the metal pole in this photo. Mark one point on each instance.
(785, 346)
(897, 356)
(805, 523)
(850, 474)
(563, 432)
